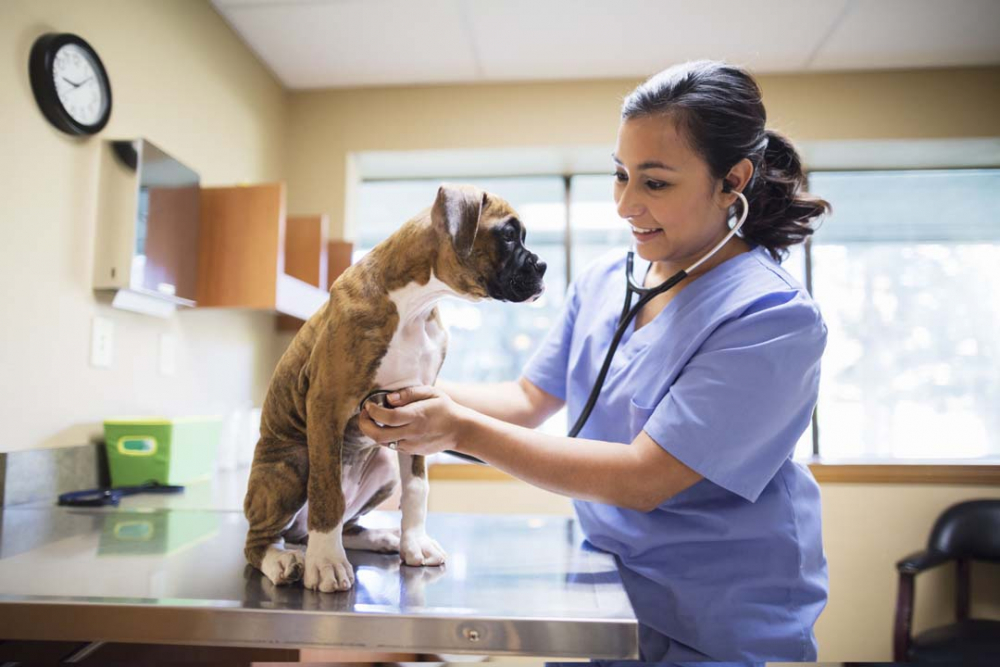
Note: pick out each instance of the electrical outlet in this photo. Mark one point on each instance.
(168, 354)
(102, 342)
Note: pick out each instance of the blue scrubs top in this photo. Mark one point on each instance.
(725, 379)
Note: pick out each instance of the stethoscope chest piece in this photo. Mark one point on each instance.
(381, 397)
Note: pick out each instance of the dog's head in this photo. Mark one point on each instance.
(484, 254)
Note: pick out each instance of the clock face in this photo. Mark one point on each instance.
(78, 84)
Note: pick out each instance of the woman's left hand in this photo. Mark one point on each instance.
(423, 420)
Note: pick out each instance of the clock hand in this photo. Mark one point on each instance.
(75, 85)
(82, 82)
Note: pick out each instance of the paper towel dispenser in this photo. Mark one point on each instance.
(147, 228)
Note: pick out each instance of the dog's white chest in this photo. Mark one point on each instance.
(417, 346)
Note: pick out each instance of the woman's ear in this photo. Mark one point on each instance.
(735, 181)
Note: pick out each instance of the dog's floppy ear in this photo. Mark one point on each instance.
(457, 209)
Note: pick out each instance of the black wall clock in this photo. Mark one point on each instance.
(70, 84)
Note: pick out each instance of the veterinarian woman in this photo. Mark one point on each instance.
(684, 469)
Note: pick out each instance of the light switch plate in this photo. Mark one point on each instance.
(102, 342)
(168, 354)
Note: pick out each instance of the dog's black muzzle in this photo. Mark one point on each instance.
(520, 279)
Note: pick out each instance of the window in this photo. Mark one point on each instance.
(906, 271)
(595, 227)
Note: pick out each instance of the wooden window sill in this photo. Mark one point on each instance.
(877, 472)
(466, 472)
(827, 472)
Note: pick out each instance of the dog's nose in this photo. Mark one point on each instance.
(533, 263)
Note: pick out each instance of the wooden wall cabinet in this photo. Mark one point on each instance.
(146, 236)
(305, 249)
(340, 253)
(311, 258)
(242, 253)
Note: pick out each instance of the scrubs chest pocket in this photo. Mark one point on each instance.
(637, 417)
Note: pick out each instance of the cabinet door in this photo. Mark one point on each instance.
(241, 253)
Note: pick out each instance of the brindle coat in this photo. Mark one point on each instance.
(309, 433)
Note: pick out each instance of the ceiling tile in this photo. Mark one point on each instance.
(913, 34)
(356, 42)
(568, 39)
(340, 43)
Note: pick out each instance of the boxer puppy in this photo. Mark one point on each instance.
(314, 473)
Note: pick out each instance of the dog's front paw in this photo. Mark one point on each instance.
(418, 548)
(327, 570)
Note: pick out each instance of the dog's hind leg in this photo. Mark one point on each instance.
(276, 493)
(282, 565)
(298, 533)
(382, 540)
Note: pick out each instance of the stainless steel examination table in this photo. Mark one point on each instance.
(514, 585)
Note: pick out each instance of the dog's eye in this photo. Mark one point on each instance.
(509, 234)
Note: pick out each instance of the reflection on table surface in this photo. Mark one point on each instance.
(507, 567)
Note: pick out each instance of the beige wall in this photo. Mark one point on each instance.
(867, 528)
(325, 127)
(181, 78)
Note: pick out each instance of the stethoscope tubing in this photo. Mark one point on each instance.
(623, 321)
(102, 497)
(646, 294)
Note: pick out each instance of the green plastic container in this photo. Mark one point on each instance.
(165, 450)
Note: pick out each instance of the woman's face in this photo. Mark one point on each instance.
(663, 188)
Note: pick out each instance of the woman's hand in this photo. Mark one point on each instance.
(423, 421)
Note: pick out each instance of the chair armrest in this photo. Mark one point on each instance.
(917, 562)
(909, 568)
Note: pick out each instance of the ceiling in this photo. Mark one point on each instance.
(349, 43)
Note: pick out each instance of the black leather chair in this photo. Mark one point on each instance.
(964, 532)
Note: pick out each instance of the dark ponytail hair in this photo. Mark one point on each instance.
(719, 109)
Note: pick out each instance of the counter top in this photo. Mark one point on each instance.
(222, 491)
(515, 585)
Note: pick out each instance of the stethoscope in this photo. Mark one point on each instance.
(632, 287)
(381, 397)
(101, 497)
(629, 312)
